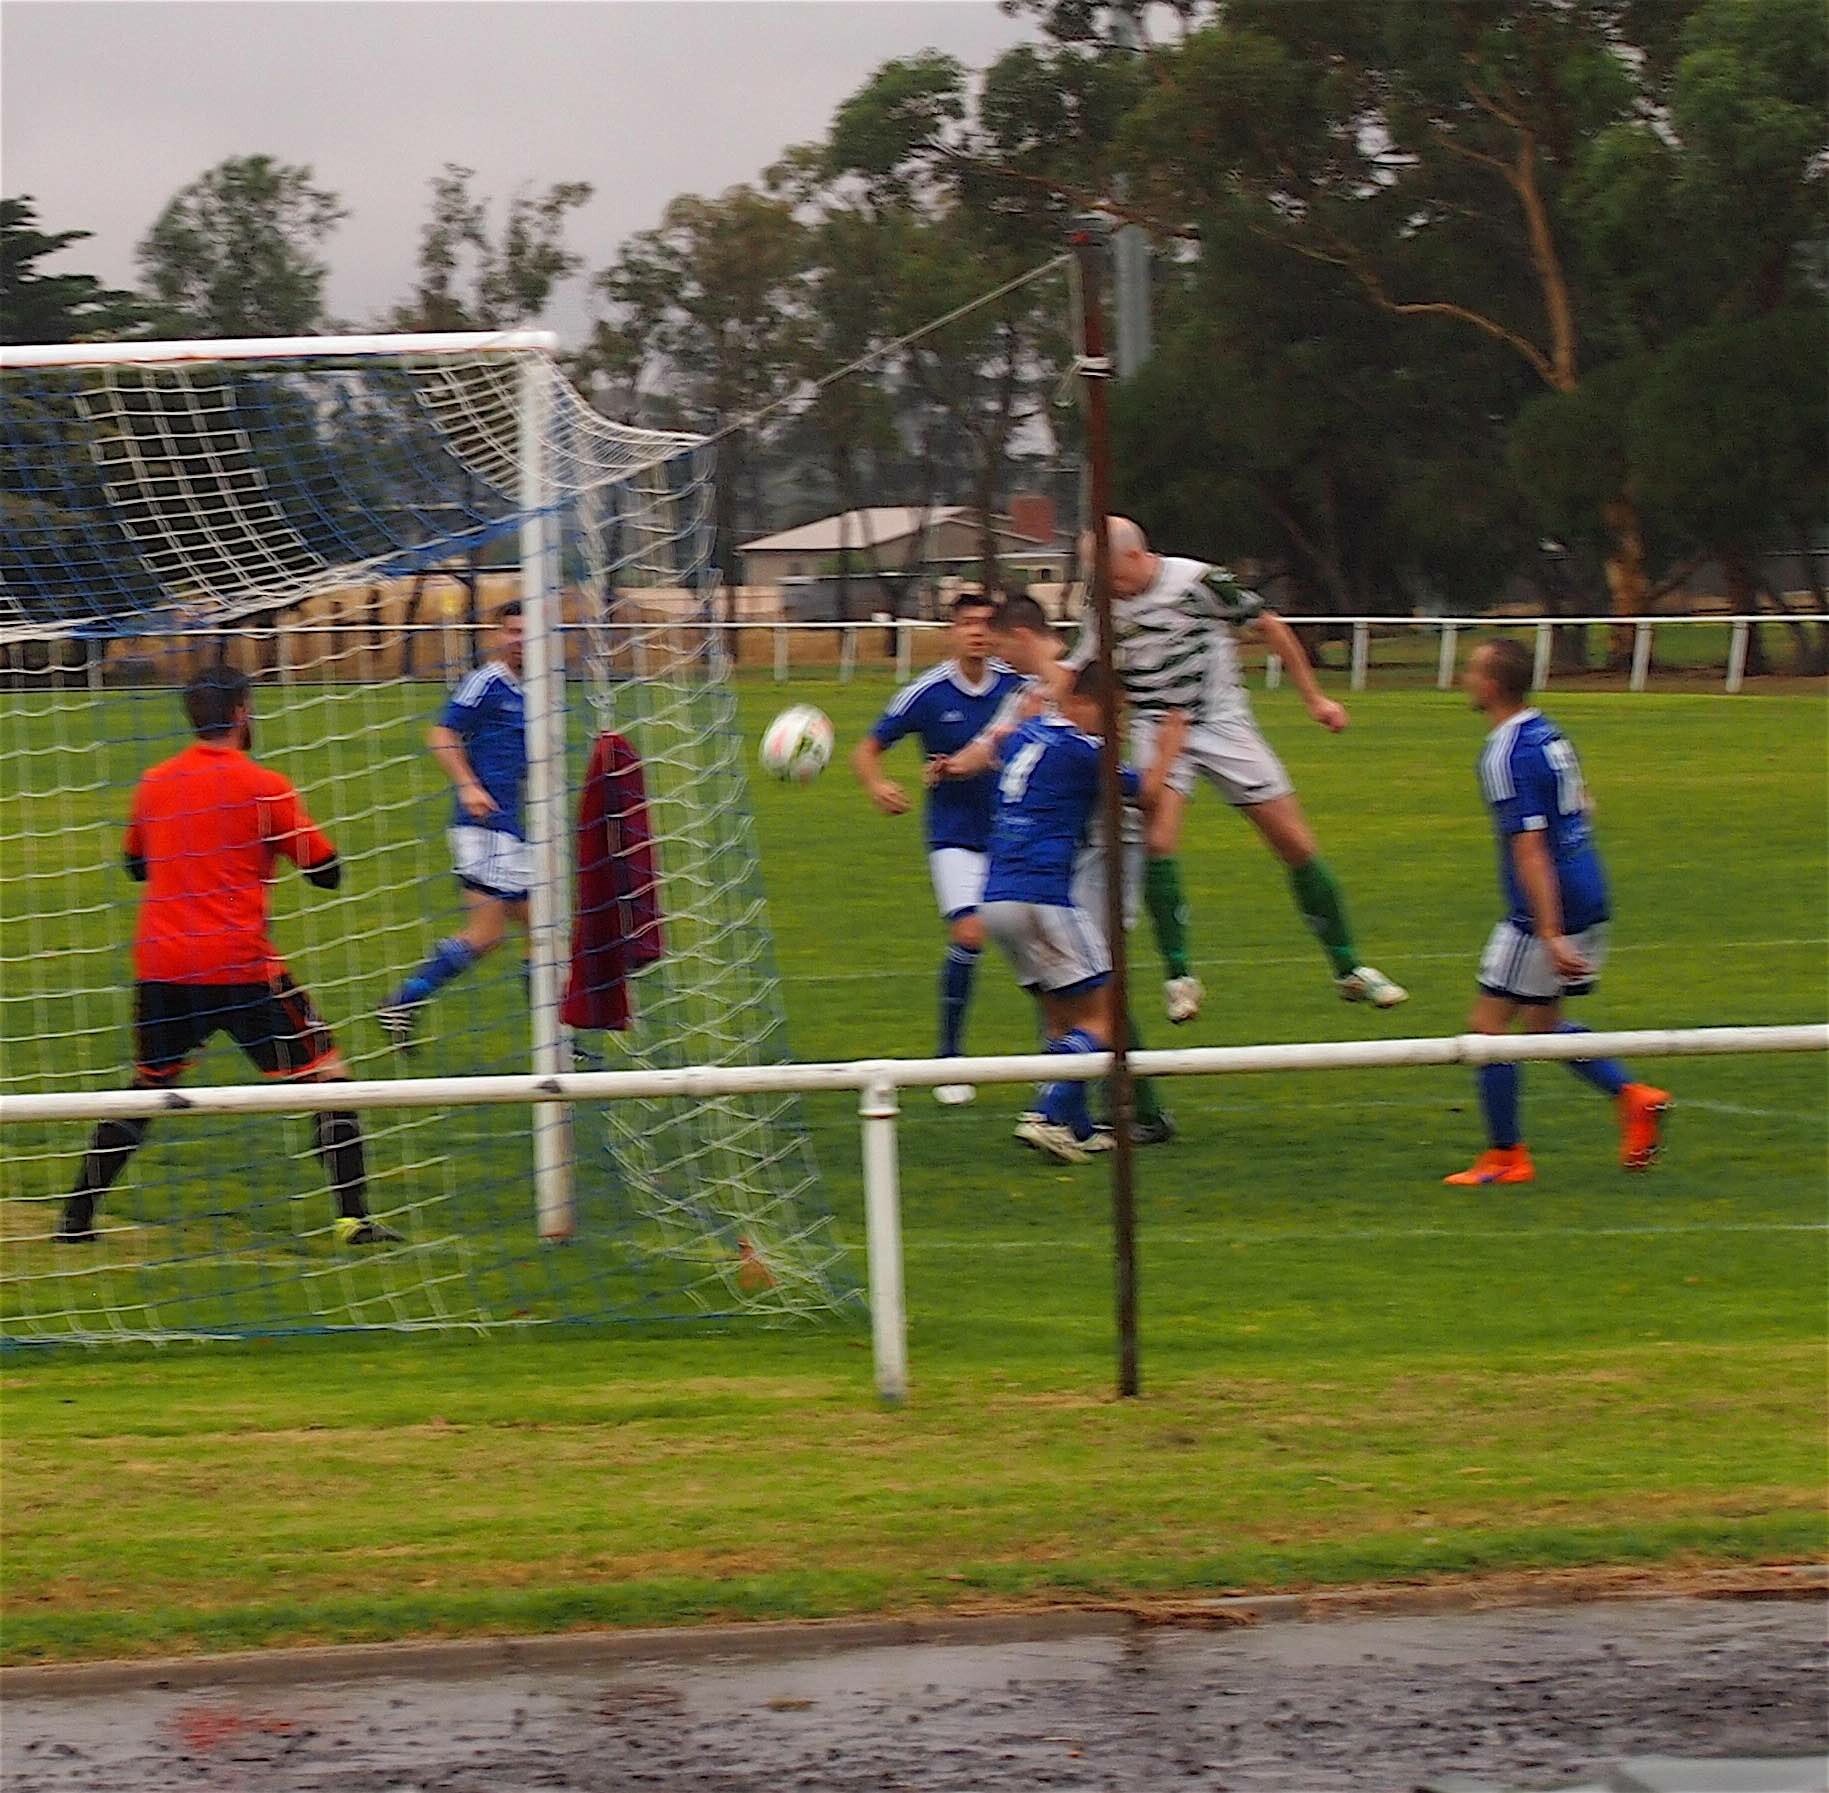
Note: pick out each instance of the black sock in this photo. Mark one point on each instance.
(111, 1145)
(338, 1138)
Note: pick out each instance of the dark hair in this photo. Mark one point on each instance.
(1510, 667)
(505, 611)
(1090, 682)
(1020, 615)
(214, 697)
(972, 600)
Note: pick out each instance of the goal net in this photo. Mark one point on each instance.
(341, 519)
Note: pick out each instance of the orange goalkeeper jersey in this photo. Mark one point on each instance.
(208, 826)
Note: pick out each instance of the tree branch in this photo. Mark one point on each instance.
(1084, 197)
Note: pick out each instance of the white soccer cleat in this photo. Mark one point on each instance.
(1366, 984)
(1052, 1140)
(397, 1021)
(954, 1095)
(1182, 996)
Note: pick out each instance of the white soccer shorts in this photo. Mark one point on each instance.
(1051, 948)
(1517, 964)
(1089, 883)
(958, 875)
(498, 864)
(1232, 756)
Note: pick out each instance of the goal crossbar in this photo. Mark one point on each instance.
(279, 348)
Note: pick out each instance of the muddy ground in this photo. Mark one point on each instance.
(1378, 1705)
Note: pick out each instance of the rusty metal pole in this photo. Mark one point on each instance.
(1089, 239)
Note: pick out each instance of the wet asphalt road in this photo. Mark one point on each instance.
(1379, 1705)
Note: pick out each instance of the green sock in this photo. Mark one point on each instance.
(1143, 1089)
(1324, 909)
(1149, 1109)
(1168, 913)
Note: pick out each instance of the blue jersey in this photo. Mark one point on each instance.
(489, 715)
(948, 713)
(1532, 783)
(1047, 794)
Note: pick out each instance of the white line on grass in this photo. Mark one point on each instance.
(1296, 1236)
(1470, 954)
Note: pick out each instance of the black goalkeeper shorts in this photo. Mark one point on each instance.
(273, 1023)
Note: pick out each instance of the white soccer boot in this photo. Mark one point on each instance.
(1051, 1139)
(398, 1021)
(954, 1095)
(1364, 983)
(1181, 997)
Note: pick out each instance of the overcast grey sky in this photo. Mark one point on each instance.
(107, 108)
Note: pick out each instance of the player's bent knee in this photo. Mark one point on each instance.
(968, 931)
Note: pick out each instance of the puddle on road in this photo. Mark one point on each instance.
(1525, 1694)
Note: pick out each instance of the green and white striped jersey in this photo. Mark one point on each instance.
(1174, 647)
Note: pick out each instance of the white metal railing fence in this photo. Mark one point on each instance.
(878, 1082)
(1361, 633)
(357, 636)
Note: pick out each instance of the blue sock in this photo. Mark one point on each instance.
(1499, 1098)
(449, 958)
(1065, 1103)
(957, 970)
(1607, 1075)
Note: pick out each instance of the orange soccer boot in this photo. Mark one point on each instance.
(1503, 1164)
(1641, 1124)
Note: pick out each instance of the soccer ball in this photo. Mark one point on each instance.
(797, 745)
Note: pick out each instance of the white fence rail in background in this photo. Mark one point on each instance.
(453, 642)
(1448, 629)
(878, 1082)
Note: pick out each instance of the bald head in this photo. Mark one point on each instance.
(1133, 566)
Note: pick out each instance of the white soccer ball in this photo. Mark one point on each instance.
(797, 745)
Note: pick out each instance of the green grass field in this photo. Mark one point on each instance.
(1350, 1371)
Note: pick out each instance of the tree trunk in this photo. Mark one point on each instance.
(989, 570)
(1628, 581)
(1743, 595)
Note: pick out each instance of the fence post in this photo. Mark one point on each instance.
(1273, 671)
(780, 654)
(877, 1108)
(904, 651)
(1362, 644)
(1540, 666)
(1641, 653)
(847, 653)
(1736, 653)
(1444, 664)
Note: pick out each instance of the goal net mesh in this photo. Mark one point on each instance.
(342, 529)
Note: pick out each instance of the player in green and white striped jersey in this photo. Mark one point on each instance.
(1175, 626)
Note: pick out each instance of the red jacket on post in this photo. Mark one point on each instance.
(616, 929)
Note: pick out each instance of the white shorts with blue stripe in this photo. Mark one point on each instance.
(1051, 947)
(486, 859)
(1517, 964)
(958, 875)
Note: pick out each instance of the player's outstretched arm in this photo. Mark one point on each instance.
(867, 763)
(1286, 644)
(448, 749)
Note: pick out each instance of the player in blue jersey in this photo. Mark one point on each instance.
(1553, 940)
(1026, 641)
(1047, 795)
(944, 709)
(480, 740)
